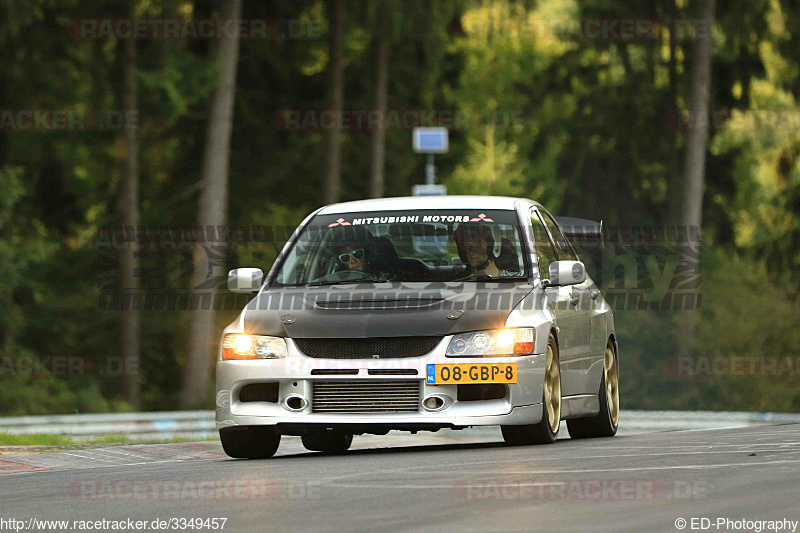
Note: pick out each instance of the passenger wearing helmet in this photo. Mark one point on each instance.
(475, 244)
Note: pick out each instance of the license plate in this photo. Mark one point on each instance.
(472, 373)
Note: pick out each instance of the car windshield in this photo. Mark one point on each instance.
(415, 245)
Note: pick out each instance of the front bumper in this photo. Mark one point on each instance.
(293, 374)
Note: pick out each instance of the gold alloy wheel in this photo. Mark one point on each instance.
(612, 384)
(552, 390)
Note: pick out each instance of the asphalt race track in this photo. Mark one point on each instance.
(447, 481)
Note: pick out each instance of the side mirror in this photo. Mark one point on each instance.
(245, 280)
(567, 273)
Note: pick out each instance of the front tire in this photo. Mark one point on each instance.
(546, 431)
(328, 441)
(250, 442)
(605, 424)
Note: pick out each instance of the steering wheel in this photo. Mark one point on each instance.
(347, 275)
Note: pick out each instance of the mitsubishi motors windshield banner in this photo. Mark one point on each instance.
(422, 220)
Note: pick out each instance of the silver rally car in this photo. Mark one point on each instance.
(418, 314)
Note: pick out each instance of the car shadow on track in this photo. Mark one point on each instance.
(424, 448)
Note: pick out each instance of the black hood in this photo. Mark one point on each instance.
(382, 310)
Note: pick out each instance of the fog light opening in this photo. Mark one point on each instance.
(433, 403)
(296, 403)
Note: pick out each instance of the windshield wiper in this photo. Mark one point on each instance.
(485, 277)
(348, 281)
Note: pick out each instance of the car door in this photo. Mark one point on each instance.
(591, 325)
(567, 315)
(593, 305)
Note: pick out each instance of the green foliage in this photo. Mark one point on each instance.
(41, 395)
(50, 439)
(578, 124)
(45, 439)
(745, 313)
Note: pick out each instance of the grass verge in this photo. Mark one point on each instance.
(45, 439)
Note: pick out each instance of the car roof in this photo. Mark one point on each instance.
(425, 202)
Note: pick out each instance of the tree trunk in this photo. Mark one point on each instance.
(695, 157)
(6, 300)
(212, 213)
(674, 188)
(376, 189)
(128, 209)
(695, 162)
(335, 97)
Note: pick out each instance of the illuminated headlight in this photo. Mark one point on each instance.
(512, 341)
(238, 346)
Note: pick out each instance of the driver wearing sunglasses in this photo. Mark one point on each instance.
(353, 257)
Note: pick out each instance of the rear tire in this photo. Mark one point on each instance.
(606, 422)
(546, 431)
(250, 442)
(328, 441)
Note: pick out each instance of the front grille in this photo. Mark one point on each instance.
(365, 396)
(392, 372)
(334, 371)
(382, 347)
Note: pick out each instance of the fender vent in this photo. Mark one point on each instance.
(373, 304)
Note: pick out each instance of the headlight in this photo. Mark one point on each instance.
(512, 341)
(238, 346)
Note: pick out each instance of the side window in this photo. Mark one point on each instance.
(563, 247)
(544, 248)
